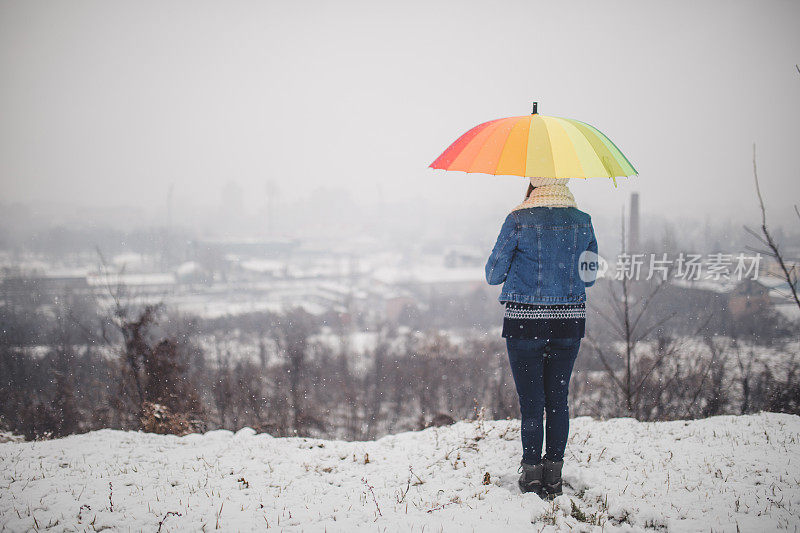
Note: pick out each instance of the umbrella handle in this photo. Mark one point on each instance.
(535, 105)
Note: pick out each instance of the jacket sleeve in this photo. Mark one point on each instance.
(593, 248)
(503, 252)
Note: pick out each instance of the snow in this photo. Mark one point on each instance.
(724, 473)
(263, 265)
(112, 279)
(10, 437)
(206, 306)
(789, 310)
(130, 260)
(430, 269)
(188, 267)
(722, 286)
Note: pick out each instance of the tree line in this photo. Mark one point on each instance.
(142, 367)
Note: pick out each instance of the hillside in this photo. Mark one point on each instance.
(718, 474)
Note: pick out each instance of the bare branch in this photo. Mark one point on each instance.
(608, 320)
(611, 373)
(702, 326)
(654, 326)
(648, 300)
(699, 387)
(768, 236)
(759, 237)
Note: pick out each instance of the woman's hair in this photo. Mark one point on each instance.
(530, 190)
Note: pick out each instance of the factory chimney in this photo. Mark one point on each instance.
(633, 226)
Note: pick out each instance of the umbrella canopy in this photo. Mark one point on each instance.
(536, 145)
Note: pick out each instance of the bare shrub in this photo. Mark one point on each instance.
(158, 418)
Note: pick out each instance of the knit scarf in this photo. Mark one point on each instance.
(549, 196)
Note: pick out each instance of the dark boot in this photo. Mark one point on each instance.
(531, 478)
(551, 479)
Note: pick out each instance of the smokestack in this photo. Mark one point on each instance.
(169, 205)
(633, 226)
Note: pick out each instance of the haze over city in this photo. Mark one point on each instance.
(111, 104)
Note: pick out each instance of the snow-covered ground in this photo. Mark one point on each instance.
(727, 473)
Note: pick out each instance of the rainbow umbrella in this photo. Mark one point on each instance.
(536, 145)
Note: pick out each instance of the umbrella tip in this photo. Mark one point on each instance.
(535, 105)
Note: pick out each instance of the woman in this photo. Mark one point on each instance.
(545, 256)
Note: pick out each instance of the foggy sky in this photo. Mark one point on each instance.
(111, 102)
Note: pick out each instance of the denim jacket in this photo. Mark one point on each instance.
(537, 255)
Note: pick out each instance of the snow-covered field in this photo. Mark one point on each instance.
(727, 473)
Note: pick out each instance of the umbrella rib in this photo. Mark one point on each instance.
(565, 124)
(520, 122)
(599, 159)
(597, 132)
(489, 131)
(620, 153)
(548, 150)
(446, 158)
(604, 136)
(502, 142)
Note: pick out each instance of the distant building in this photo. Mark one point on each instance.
(461, 256)
(747, 297)
(633, 228)
(35, 288)
(247, 247)
(399, 307)
(771, 267)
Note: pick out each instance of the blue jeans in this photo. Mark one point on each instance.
(541, 370)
